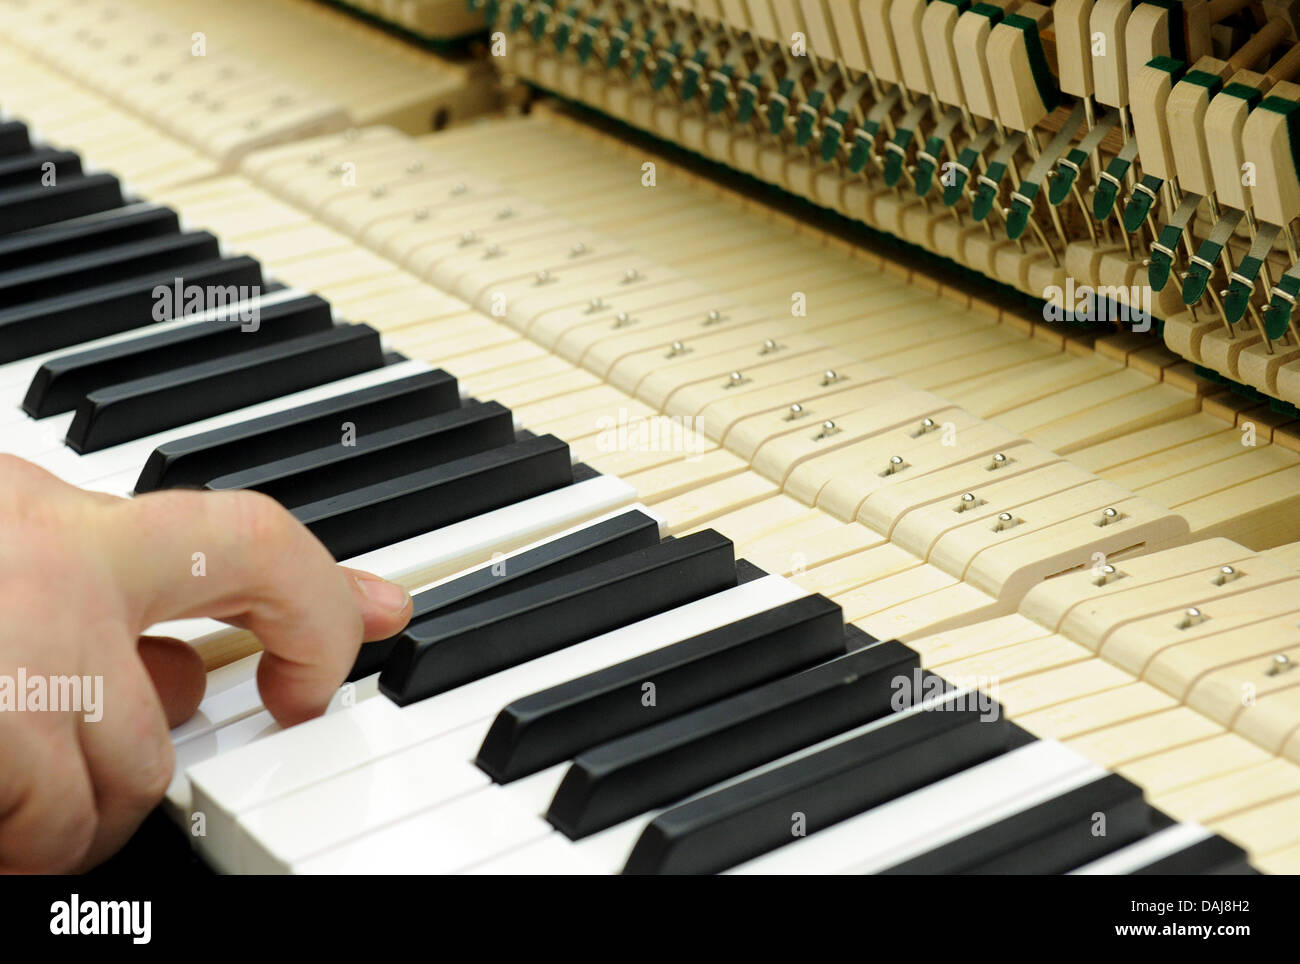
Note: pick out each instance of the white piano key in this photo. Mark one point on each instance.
(337, 759)
(1148, 850)
(458, 828)
(232, 690)
(551, 855)
(933, 815)
(445, 762)
(83, 469)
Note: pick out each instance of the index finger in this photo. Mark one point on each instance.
(242, 558)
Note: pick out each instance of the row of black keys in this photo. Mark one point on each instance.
(727, 701)
(418, 459)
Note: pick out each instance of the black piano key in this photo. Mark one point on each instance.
(665, 762)
(70, 319)
(14, 138)
(1214, 855)
(72, 197)
(446, 651)
(336, 468)
(409, 505)
(41, 167)
(93, 268)
(60, 383)
(609, 539)
(1051, 838)
(750, 817)
(197, 459)
(544, 728)
(91, 233)
(134, 409)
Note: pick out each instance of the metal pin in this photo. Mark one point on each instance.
(543, 276)
(1281, 664)
(896, 464)
(622, 320)
(1005, 521)
(769, 346)
(420, 214)
(1225, 575)
(378, 191)
(675, 349)
(491, 251)
(630, 275)
(1191, 617)
(968, 502)
(999, 461)
(713, 317)
(577, 250)
(595, 304)
(1107, 574)
(734, 379)
(829, 428)
(415, 167)
(458, 188)
(830, 376)
(1109, 515)
(796, 411)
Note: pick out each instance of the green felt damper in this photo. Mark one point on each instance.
(953, 190)
(803, 129)
(986, 194)
(692, 73)
(1198, 276)
(777, 106)
(895, 155)
(1018, 216)
(615, 52)
(1140, 201)
(863, 140)
(924, 175)
(1238, 296)
(832, 132)
(718, 88)
(1277, 316)
(1058, 189)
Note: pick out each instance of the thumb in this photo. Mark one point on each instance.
(385, 606)
(178, 675)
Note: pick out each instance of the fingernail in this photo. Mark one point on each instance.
(384, 595)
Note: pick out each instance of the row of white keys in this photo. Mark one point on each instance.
(481, 822)
(279, 788)
(231, 714)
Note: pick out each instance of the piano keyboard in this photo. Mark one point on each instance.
(702, 584)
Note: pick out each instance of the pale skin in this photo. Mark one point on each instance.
(83, 575)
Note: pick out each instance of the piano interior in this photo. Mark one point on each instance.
(901, 454)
